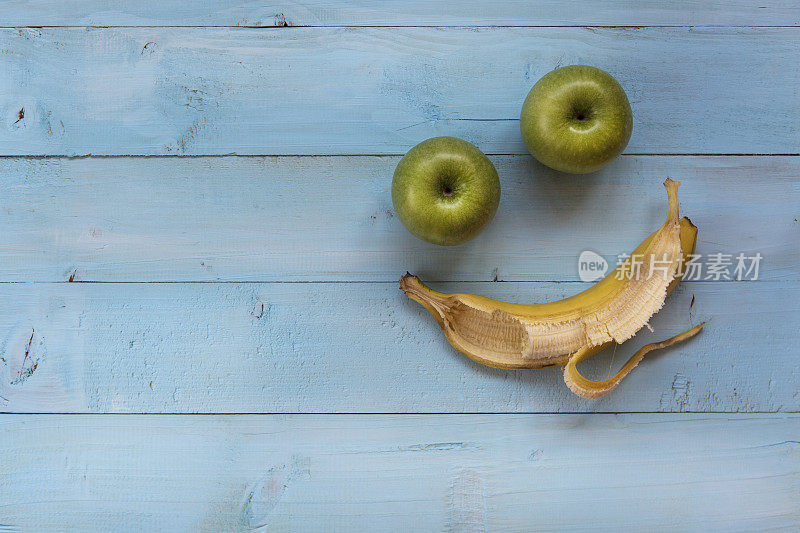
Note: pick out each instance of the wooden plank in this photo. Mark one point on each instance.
(400, 473)
(331, 218)
(364, 347)
(381, 90)
(395, 13)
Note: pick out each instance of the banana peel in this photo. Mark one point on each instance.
(566, 332)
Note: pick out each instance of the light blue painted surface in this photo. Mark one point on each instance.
(396, 13)
(381, 90)
(364, 347)
(644, 472)
(346, 343)
(331, 218)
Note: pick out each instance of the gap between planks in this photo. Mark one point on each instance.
(290, 26)
(342, 282)
(356, 154)
(737, 415)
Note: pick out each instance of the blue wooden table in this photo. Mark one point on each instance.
(200, 326)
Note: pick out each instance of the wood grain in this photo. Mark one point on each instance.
(180, 79)
(366, 348)
(331, 218)
(400, 473)
(396, 13)
(128, 91)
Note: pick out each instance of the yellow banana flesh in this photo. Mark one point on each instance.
(510, 335)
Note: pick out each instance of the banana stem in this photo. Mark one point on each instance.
(672, 195)
(595, 389)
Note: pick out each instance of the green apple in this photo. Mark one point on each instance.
(445, 190)
(576, 119)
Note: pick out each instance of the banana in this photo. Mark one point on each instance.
(566, 332)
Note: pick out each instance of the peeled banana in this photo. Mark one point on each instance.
(566, 332)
